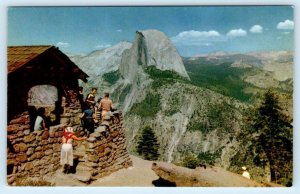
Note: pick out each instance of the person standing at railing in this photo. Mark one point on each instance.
(105, 105)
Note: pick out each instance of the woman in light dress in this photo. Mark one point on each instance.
(66, 159)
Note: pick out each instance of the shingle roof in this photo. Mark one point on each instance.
(17, 56)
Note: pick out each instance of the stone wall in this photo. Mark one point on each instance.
(37, 153)
(104, 152)
(31, 154)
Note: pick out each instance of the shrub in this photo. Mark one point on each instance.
(190, 161)
(207, 158)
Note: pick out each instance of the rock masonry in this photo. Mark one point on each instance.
(35, 154)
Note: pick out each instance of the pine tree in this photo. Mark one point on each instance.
(147, 145)
(270, 134)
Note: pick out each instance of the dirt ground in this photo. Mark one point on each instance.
(140, 174)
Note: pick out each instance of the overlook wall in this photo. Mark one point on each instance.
(37, 153)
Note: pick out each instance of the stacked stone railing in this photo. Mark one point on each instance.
(37, 153)
(104, 152)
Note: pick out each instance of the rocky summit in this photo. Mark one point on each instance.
(151, 48)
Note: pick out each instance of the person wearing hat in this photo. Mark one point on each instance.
(245, 174)
(66, 156)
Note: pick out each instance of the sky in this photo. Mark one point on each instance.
(193, 30)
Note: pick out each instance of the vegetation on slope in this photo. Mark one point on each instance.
(148, 107)
(217, 116)
(151, 104)
(163, 77)
(220, 78)
(111, 77)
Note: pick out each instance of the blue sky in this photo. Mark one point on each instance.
(193, 30)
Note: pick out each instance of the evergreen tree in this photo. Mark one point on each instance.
(271, 139)
(147, 145)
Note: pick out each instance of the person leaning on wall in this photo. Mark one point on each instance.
(40, 123)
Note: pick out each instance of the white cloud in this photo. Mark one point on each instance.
(236, 33)
(101, 46)
(197, 38)
(62, 44)
(119, 30)
(256, 29)
(198, 34)
(286, 25)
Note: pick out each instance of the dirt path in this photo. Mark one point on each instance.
(140, 174)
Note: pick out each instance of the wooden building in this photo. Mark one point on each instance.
(41, 75)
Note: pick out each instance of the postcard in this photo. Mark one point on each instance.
(150, 96)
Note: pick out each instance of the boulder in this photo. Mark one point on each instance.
(83, 176)
(48, 152)
(45, 134)
(30, 151)
(101, 129)
(20, 120)
(105, 123)
(93, 158)
(202, 177)
(11, 178)
(101, 149)
(29, 138)
(95, 134)
(28, 166)
(91, 139)
(22, 157)
(23, 147)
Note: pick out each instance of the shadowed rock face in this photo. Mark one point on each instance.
(201, 177)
